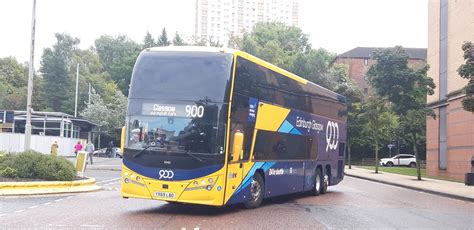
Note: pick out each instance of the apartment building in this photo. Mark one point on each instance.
(449, 137)
(218, 20)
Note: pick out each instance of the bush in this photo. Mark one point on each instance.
(9, 172)
(34, 165)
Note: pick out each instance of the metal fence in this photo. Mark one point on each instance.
(14, 142)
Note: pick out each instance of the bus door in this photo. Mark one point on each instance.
(235, 165)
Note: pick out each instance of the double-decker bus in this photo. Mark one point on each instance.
(215, 126)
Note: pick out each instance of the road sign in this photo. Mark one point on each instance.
(81, 159)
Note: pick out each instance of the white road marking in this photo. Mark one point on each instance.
(47, 203)
(32, 207)
(18, 211)
(69, 197)
(4, 214)
(92, 226)
(58, 200)
(104, 181)
(59, 225)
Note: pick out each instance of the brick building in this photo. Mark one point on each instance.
(450, 138)
(359, 61)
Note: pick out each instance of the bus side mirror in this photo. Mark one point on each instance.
(237, 151)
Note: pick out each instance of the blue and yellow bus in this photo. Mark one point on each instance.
(215, 126)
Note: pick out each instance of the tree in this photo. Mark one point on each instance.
(56, 65)
(117, 56)
(276, 43)
(466, 71)
(213, 43)
(148, 41)
(406, 88)
(107, 111)
(346, 86)
(315, 65)
(13, 84)
(163, 39)
(379, 123)
(178, 41)
(13, 73)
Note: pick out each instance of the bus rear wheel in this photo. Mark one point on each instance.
(317, 183)
(325, 182)
(257, 190)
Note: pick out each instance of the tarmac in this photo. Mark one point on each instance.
(451, 189)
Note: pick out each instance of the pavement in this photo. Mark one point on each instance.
(103, 163)
(440, 187)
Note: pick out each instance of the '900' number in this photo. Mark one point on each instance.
(194, 111)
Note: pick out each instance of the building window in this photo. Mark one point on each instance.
(366, 61)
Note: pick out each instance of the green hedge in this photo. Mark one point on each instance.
(34, 165)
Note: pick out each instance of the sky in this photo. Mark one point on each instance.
(336, 25)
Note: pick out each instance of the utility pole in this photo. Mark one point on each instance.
(89, 92)
(77, 90)
(30, 80)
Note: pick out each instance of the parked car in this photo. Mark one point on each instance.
(103, 152)
(399, 160)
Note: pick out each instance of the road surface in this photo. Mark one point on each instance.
(353, 204)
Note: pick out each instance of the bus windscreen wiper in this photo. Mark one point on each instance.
(193, 156)
(143, 150)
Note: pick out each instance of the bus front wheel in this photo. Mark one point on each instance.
(257, 190)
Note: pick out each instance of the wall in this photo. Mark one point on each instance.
(358, 71)
(460, 142)
(14, 142)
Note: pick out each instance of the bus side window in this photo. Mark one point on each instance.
(239, 121)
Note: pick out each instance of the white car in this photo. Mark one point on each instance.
(399, 160)
(102, 152)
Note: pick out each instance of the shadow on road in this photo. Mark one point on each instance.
(201, 210)
(189, 209)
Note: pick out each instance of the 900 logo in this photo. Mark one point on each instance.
(166, 174)
(332, 135)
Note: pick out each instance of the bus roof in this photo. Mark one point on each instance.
(191, 49)
(247, 56)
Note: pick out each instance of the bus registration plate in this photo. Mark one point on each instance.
(168, 195)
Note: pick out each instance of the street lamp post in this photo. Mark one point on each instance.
(77, 90)
(30, 80)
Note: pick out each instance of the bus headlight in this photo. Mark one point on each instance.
(210, 180)
(209, 187)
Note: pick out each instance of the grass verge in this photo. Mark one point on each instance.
(405, 171)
